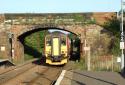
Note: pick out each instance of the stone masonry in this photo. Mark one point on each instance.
(17, 27)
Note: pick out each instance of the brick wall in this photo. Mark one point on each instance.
(102, 17)
(1, 18)
(4, 46)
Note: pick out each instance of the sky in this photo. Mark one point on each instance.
(58, 6)
(52, 30)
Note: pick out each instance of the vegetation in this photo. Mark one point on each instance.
(75, 47)
(104, 45)
(113, 25)
(85, 18)
(27, 57)
(34, 44)
(81, 65)
(78, 17)
(63, 18)
(72, 36)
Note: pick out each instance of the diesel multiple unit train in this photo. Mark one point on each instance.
(57, 48)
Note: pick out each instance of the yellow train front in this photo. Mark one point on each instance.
(57, 48)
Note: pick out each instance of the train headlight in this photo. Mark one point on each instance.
(62, 51)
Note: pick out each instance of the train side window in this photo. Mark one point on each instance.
(48, 42)
(63, 41)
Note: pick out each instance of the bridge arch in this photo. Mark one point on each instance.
(78, 30)
(21, 36)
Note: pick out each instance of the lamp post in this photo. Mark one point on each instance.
(122, 39)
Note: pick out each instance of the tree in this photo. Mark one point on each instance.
(113, 25)
(36, 40)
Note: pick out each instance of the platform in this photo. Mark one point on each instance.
(76, 77)
(5, 63)
(3, 60)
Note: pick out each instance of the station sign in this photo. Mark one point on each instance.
(118, 59)
(2, 48)
(122, 45)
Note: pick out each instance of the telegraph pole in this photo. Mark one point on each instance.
(122, 39)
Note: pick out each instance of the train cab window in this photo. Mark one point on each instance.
(48, 42)
(63, 41)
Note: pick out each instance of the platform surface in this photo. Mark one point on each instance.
(3, 60)
(76, 77)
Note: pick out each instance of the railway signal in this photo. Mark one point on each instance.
(11, 36)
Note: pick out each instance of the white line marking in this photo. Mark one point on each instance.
(60, 77)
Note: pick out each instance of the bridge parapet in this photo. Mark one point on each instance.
(44, 21)
(4, 27)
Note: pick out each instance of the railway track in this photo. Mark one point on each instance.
(46, 77)
(31, 74)
(14, 72)
(16, 67)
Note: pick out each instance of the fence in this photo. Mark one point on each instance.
(102, 63)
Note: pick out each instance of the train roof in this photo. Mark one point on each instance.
(56, 33)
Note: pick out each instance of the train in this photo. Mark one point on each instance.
(57, 48)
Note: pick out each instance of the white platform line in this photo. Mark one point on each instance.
(60, 77)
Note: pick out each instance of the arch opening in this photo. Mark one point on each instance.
(36, 50)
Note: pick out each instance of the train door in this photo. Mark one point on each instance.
(56, 46)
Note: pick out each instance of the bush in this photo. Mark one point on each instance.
(113, 25)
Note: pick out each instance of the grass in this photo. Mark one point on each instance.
(1, 57)
(80, 65)
(27, 57)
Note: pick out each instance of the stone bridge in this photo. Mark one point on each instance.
(15, 25)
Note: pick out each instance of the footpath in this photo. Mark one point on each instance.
(77, 77)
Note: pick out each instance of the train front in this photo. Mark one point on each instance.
(56, 49)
